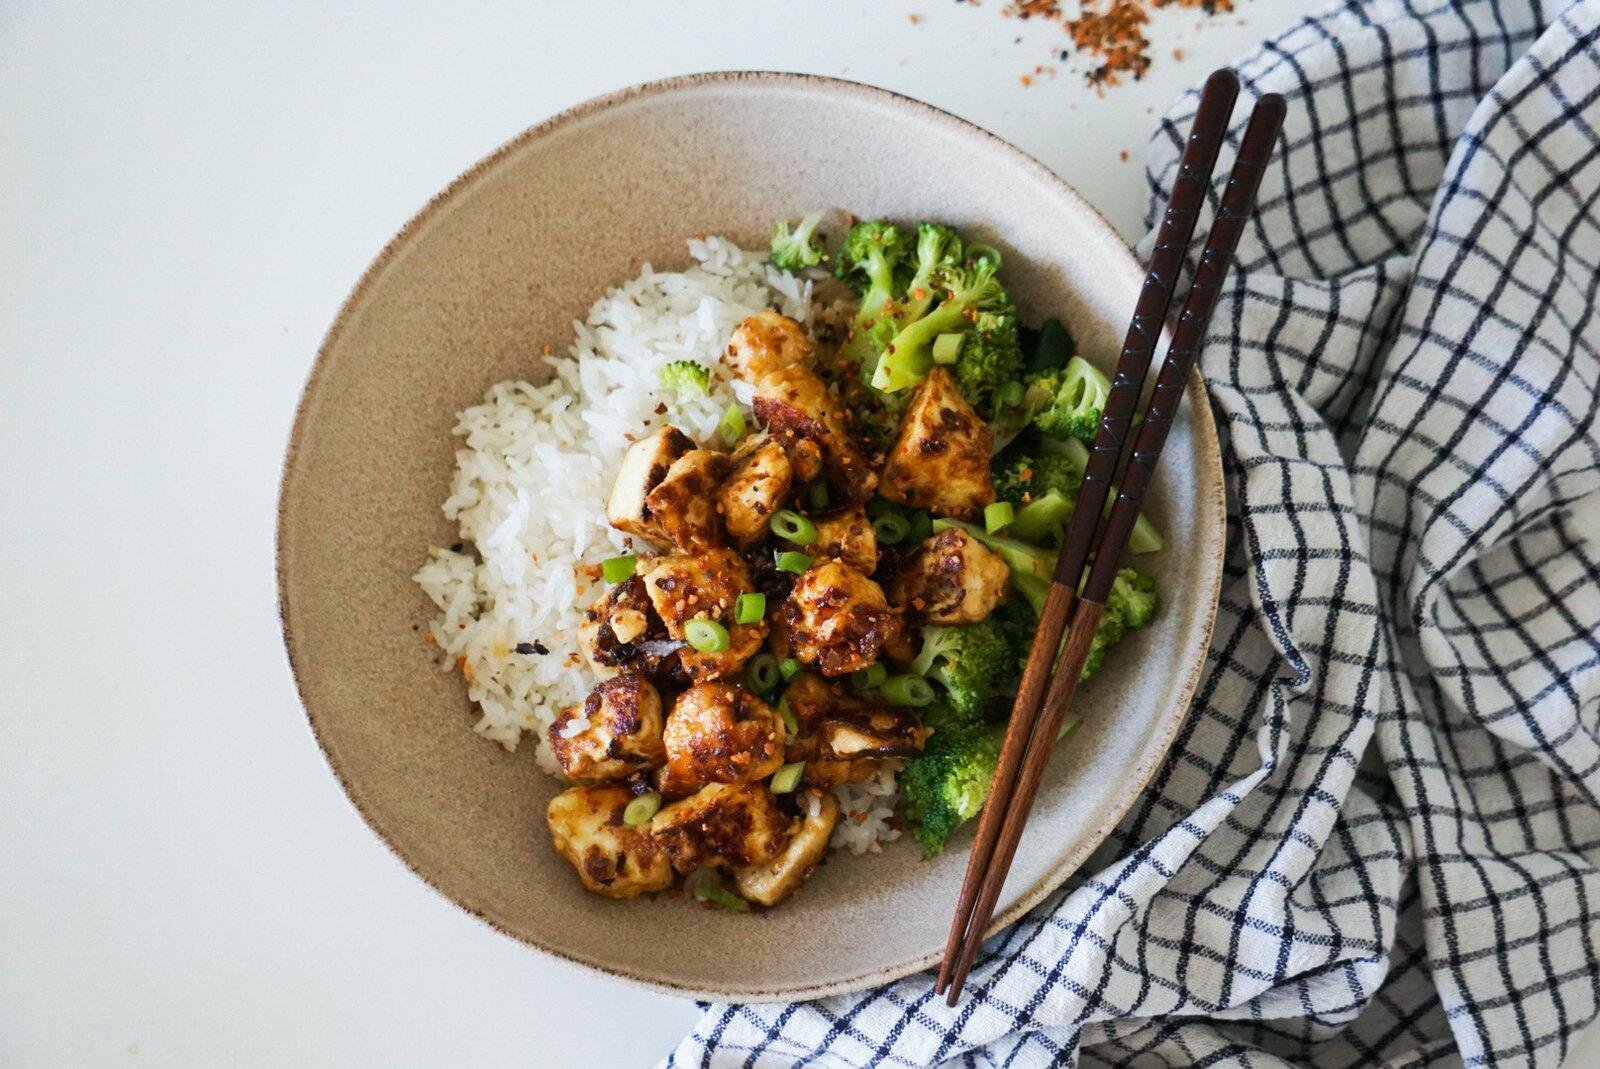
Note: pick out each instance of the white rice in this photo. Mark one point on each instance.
(532, 477)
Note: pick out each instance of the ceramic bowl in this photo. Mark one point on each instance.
(499, 264)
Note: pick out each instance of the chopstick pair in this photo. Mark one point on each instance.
(1043, 696)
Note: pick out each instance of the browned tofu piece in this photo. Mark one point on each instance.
(797, 408)
(684, 586)
(952, 578)
(838, 619)
(614, 734)
(829, 772)
(811, 698)
(846, 535)
(622, 633)
(940, 461)
(644, 465)
(683, 505)
(725, 824)
(703, 584)
(611, 858)
(719, 733)
(764, 343)
(772, 881)
(870, 731)
(755, 489)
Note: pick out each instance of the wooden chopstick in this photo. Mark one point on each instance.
(1238, 200)
(1144, 331)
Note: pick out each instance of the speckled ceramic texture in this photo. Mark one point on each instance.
(498, 265)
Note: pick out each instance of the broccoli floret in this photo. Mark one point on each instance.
(1130, 605)
(1134, 594)
(1028, 478)
(1081, 398)
(1059, 466)
(990, 357)
(685, 376)
(969, 292)
(938, 251)
(1038, 393)
(945, 785)
(868, 260)
(976, 663)
(799, 249)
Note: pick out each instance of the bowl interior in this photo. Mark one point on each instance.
(498, 266)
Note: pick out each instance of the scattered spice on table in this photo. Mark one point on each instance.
(1110, 34)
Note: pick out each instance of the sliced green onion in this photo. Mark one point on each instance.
(619, 569)
(790, 526)
(998, 516)
(787, 778)
(790, 561)
(891, 528)
(947, 348)
(749, 608)
(1010, 395)
(921, 526)
(788, 668)
(641, 809)
(907, 690)
(762, 673)
(786, 714)
(869, 678)
(707, 636)
(731, 427)
(880, 505)
(817, 495)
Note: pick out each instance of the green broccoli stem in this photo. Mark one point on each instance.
(1144, 538)
(909, 355)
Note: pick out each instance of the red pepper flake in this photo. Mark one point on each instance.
(1123, 155)
(914, 18)
(1111, 33)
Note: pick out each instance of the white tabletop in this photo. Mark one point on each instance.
(187, 194)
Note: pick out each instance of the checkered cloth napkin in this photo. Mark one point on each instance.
(1376, 840)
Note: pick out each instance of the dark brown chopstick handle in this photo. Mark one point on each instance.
(1144, 332)
(1149, 316)
(1238, 201)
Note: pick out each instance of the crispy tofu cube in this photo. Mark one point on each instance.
(827, 772)
(761, 478)
(683, 505)
(847, 535)
(952, 578)
(940, 461)
(622, 633)
(644, 465)
(870, 731)
(719, 733)
(772, 881)
(733, 825)
(767, 342)
(611, 858)
(797, 408)
(837, 619)
(704, 584)
(614, 734)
